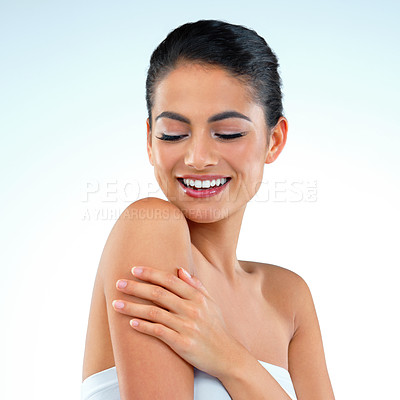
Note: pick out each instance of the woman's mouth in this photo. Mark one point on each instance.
(203, 187)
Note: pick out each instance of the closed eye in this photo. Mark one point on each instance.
(170, 138)
(229, 136)
(223, 136)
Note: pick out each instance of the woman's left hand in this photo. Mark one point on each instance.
(183, 315)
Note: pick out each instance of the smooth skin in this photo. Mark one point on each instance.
(231, 313)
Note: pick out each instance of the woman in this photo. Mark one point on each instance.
(217, 327)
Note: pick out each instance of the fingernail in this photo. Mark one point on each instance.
(122, 284)
(118, 304)
(134, 322)
(186, 273)
(137, 270)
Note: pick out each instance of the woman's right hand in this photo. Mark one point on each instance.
(183, 315)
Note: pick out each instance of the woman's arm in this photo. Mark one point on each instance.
(149, 232)
(195, 329)
(307, 365)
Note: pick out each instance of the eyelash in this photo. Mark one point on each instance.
(170, 138)
(174, 138)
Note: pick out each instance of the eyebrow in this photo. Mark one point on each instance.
(214, 118)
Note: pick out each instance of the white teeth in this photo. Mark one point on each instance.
(198, 184)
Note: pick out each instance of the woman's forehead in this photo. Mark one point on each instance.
(189, 86)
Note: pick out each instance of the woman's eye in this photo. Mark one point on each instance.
(223, 136)
(170, 138)
(229, 136)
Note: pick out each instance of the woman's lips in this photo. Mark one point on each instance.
(201, 192)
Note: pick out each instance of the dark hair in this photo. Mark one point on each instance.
(239, 50)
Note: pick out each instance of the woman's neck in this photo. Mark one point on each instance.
(217, 241)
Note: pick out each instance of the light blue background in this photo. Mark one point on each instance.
(72, 123)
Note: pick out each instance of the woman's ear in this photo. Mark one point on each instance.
(277, 140)
(149, 148)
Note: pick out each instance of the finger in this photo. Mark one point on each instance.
(154, 293)
(192, 280)
(168, 336)
(165, 279)
(148, 312)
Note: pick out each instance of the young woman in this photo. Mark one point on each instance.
(190, 320)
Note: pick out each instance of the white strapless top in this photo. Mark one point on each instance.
(104, 384)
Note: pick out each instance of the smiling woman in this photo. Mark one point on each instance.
(217, 130)
(191, 321)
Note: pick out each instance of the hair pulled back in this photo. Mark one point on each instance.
(239, 50)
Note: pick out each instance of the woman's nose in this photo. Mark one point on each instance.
(200, 152)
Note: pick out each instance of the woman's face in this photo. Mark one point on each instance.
(208, 143)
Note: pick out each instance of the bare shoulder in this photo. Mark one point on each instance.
(293, 290)
(153, 208)
(281, 284)
(278, 273)
(290, 293)
(152, 222)
(152, 211)
(150, 232)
